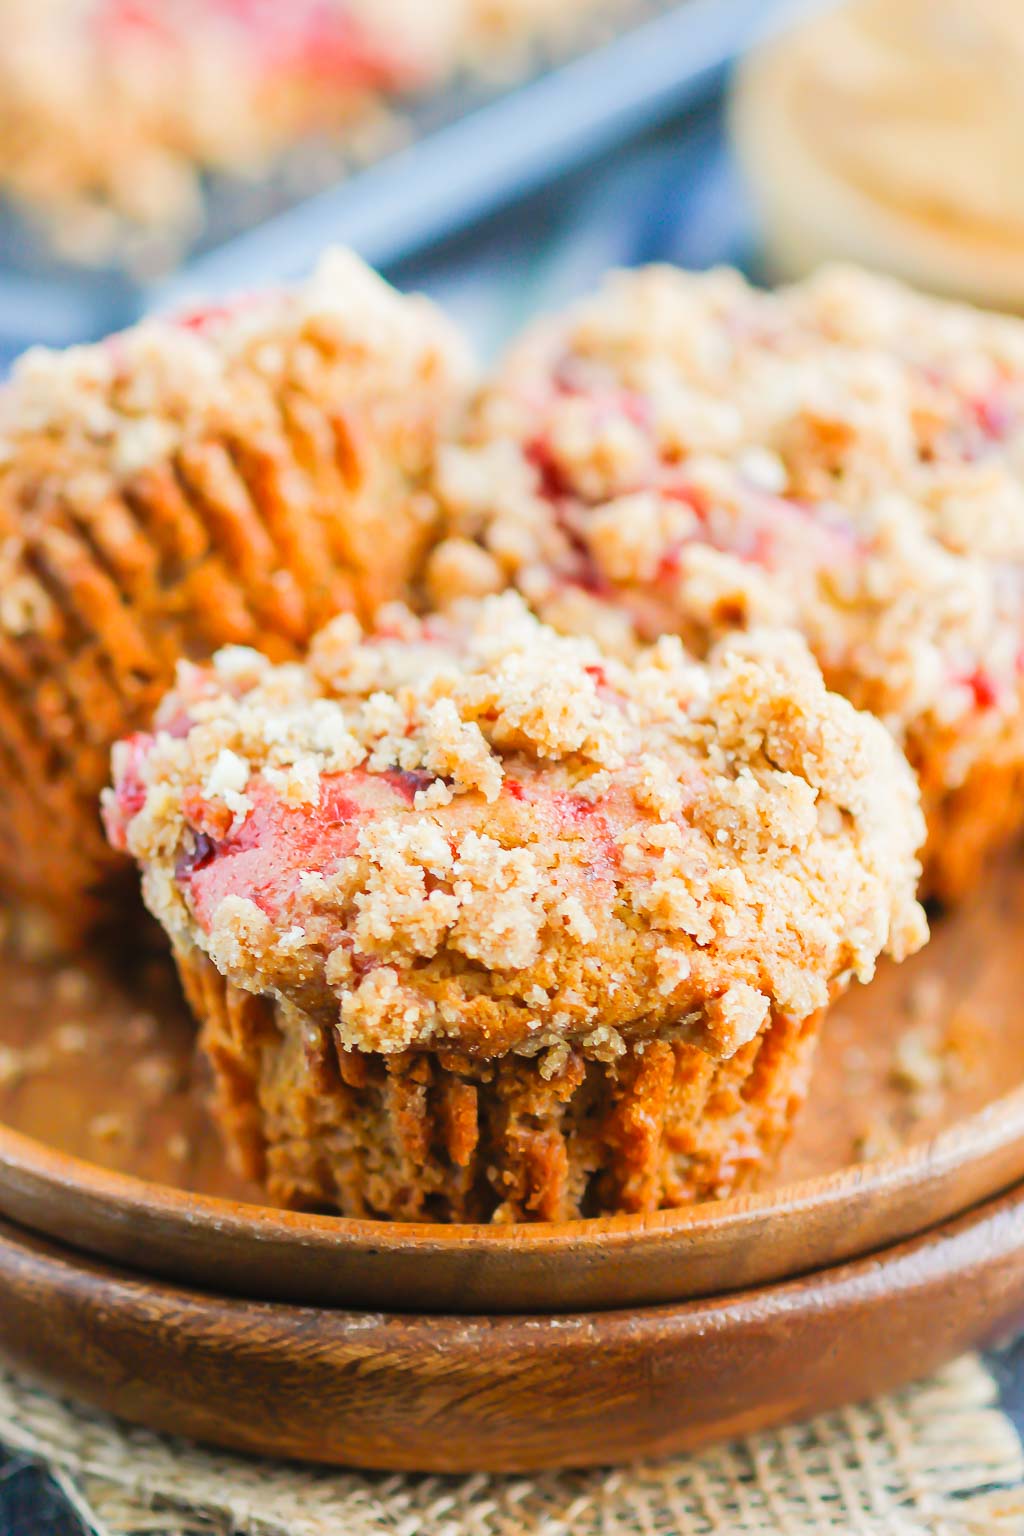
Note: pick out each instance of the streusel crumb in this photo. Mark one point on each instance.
(685, 454)
(624, 850)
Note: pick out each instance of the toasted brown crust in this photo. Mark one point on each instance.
(173, 490)
(439, 1136)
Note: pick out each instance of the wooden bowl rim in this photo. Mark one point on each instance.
(514, 1393)
(463, 1328)
(996, 1124)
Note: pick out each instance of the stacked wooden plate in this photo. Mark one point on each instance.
(138, 1277)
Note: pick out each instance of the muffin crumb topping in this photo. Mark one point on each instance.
(474, 830)
(683, 453)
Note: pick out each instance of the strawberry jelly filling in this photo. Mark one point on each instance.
(130, 788)
(409, 781)
(970, 426)
(264, 857)
(984, 688)
(560, 816)
(554, 483)
(579, 567)
(982, 427)
(775, 532)
(329, 44)
(129, 791)
(573, 378)
(132, 20)
(772, 531)
(996, 416)
(202, 318)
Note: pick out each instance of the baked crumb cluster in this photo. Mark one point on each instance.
(344, 337)
(473, 831)
(686, 454)
(230, 475)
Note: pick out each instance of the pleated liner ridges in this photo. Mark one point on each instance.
(437, 1134)
(274, 510)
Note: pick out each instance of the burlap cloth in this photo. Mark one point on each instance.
(939, 1458)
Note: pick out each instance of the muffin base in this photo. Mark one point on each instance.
(968, 825)
(439, 1135)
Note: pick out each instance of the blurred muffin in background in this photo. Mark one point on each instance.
(111, 111)
(683, 453)
(891, 132)
(501, 38)
(237, 475)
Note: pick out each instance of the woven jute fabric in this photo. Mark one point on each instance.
(938, 1459)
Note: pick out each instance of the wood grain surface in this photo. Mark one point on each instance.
(458, 1394)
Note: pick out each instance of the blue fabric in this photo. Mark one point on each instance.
(31, 1504)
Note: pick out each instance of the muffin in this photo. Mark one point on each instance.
(890, 132)
(480, 922)
(234, 476)
(686, 454)
(111, 110)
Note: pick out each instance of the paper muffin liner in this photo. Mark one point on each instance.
(172, 567)
(967, 826)
(439, 1135)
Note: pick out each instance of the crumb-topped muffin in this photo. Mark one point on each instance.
(112, 110)
(686, 454)
(480, 922)
(235, 475)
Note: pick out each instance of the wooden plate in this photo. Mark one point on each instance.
(459, 1394)
(107, 1148)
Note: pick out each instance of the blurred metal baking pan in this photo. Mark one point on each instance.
(472, 150)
